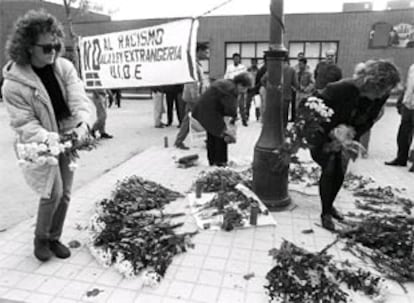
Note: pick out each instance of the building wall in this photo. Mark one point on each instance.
(350, 29)
(352, 32)
(11, 10)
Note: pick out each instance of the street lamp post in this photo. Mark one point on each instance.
(269, 184)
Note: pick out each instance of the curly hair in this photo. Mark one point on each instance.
(26, 32)
(377, 75)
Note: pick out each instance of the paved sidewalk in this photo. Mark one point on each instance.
(212, 272)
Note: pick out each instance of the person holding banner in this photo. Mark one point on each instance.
(217, 103)
(45, 97)
(191, 93)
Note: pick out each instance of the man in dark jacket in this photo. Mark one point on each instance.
(218, 101)
(327, 71)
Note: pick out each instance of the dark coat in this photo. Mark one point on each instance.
(350, 108)
(326, 73)
(219, 100)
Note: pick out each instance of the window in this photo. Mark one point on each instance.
(314, 51)
(247, 51)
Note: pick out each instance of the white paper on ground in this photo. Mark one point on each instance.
(203, 217)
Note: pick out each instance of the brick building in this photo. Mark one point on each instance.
(356, 35)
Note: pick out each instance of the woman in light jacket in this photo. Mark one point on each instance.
(43, 94)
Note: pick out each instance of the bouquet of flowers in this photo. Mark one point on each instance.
(311, 114)
(46, 153)
(343, 140)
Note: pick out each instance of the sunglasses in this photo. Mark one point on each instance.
(47, 48)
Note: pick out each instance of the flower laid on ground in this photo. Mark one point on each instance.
(131, 232)
(387, 241)
(300, 276)
(383, 232)
(311, 114)
(233, 207)
(308, 174)
(221, 179)
(143, 193)
(46, 153)
(383, 200)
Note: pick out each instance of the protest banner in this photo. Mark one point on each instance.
(153, 56)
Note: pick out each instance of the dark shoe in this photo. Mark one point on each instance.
(60, 250)
(106, 136)
(327, 222)
(395, 162)
(245, 123)
(182, 146)
(42, 249)
(337, 215)
(411, 170)
(159, 126)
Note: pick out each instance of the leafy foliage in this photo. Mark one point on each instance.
(131, 231)
(300, 276)
(222, 179)
(387, 241)
(135, 193)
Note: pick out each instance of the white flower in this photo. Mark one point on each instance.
(52, 138)
(125, 268)
(67, 144)
(54, 150)
(52, 161)
(42, 147)
(41, 160)
(73, 165)
(96, 225)
(343, 133)
(104, 257)
(151, 279)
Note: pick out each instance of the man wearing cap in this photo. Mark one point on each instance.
(327, 71)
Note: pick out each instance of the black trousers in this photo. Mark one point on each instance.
(405, 134)
(216, 150)
(173, 98)
(293, 107)
(332, 177)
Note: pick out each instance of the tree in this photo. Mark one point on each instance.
(72, 9)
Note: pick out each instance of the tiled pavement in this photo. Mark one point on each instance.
(212, 272)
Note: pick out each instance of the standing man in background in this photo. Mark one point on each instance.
(191, 92)
(290, 85)
(305, 82)
(233, 70)
(406, 129)
(327, 71)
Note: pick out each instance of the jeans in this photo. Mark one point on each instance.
(52, 211)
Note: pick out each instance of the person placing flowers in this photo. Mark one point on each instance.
(216, 106)
(45, 100)
(356, 103)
